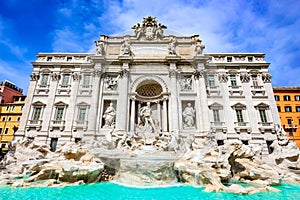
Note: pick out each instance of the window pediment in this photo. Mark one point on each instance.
(238, 106)
(60, 104)
(215, 106)
(38, 103)
(262, 105)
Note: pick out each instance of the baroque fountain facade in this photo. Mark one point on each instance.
(156, 102)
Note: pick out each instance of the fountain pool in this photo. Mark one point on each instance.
(111, 190)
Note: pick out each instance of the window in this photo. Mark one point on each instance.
(263, 116)
(86, 80)
(216, 115)
(287, 108)
(0, 131)
(232, 80)
(290, 121)
(297, 108)
(36, 113)
(211, 81)
(44, 80)
(18, 119)
(277, 98)
(239, 115)
(81, 114)
(6, 131)
(3, 119)
(279, 108)
(254, 80)
(297, 98)
(12, 108)
(69, 59)
(49, 58)
(229, 59)
(7, 108)
(9, 119)
(21, 108)
(250, 59)
(59, 114)
(286, 98)
(65, 80)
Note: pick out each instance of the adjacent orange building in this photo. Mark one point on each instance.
(288, 105)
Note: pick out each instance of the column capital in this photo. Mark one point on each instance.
(199, 74)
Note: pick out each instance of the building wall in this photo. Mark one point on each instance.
(288, 104)
(8, 91)
(10, 116)
(64, 105)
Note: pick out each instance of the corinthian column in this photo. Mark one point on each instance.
(122, 104)
(173, 114)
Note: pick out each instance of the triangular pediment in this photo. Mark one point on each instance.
(262, 105)
(60, 103)
(38, 103)
(215, 105)
(238, 105)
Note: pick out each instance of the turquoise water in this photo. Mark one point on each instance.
(109, 191)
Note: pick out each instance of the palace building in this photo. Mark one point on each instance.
(288, 105)
(150, 85)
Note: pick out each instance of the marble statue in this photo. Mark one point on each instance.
(199, 48)
(99, 48)
(126, 49)
(172, 47)
(188, 116)
(109, 116)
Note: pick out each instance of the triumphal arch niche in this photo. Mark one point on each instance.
(154, 86)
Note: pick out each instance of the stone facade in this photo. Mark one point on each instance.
(151, 85)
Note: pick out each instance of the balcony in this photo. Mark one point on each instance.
(60, 124)
(263, 126)
(235, 90)
(242, 126)
(213, 90)
(37, 124)
(258, 90)
(290, 126)
(80, 124)
(218, 126)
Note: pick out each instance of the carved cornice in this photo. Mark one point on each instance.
(55, 76)
(266, 77)
(245, 77)
(223, 78)
(34, 76)
(124, 73)
(76, 76)
(199, 74)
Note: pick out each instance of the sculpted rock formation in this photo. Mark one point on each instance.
(215, 167)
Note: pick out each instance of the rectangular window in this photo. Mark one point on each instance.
(59, 114)
(254, 80)
(21, 108)
(7, 108)
(12, 108)
(239, 115)
(6, 131)
(3, 119)
(263, 116)
(229, 59)
(286, 98)
(0, 131)
(69, 59)
(9, 119)
(297, 108)
(86, 80)
(297, 98)
(290, 121)
(287, 108)
(65, 80)
(232, 80)
(49, 58)
(44, 81)
(81, 115)
(36, 113)
(250, 59)
(279, 108)
(216, 115)
(277, 98)
(211, 81)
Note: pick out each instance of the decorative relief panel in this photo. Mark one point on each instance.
(111, 82)
(185, 83)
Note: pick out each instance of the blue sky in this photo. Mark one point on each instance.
(266, 26)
